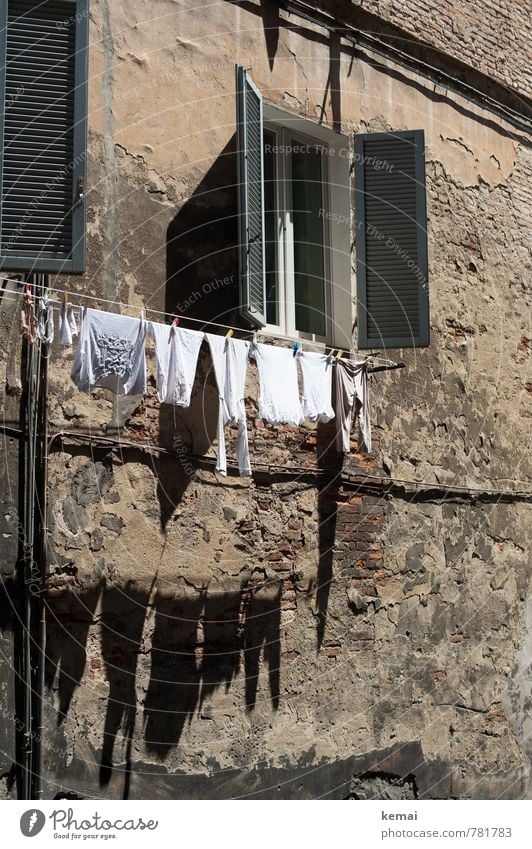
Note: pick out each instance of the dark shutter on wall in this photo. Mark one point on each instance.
(250, 171)
(391, 240)
(43, 133)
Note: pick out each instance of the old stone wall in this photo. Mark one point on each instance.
(288, 636)
(493, 37)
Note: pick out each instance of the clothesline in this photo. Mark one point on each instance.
(111, 355)
(374, 358)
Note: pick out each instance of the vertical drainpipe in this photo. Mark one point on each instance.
(28, 566)
(28, 558)
(33, 566)
(39, 607)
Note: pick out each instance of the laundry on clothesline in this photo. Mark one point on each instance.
(316, 371)
(68, 327)
(29, 326)
(230, 357)
(110, 353)
(176, 355)
(45, 320)
(351, 396)
(279, 393)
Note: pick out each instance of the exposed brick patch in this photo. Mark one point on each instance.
(493, 36)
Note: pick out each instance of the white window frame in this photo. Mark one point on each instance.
(335, 160)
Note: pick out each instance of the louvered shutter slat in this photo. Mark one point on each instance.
(43, 134)
(250, 200)
(391, 244)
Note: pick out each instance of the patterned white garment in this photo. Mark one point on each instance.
(110, 353)
(279, 392)
(316, 370)
(230, 359)
(176, 354)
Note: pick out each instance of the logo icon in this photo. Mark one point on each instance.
(32, 822)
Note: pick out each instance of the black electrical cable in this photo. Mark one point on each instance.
(387, 485)
(383, 48)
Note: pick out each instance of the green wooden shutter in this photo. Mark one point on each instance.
(250, 171)
(43, 134)
(391, 240)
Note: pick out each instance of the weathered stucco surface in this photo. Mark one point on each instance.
(279, 636)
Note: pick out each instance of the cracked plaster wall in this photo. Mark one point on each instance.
(189, 637)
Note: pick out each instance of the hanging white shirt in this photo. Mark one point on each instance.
(176, 354)
(317, 370)
(110, 353)
(279, 392)
(230, 357)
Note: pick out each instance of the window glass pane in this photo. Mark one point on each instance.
(270, 229)
(309, 271)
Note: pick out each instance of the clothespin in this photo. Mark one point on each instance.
(175, 321)
(296, 348)
(65, 297)
(255, 337)
(229, 333)
(339, 353)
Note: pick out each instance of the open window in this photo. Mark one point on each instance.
(43, 132)
(307, 225)
(298, 284)
(295, 211)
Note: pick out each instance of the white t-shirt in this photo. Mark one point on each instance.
(110, 353)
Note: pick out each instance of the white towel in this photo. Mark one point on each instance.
(316, 370)
(229, 357)
(176, 353)
(279, 393)
(110, 353)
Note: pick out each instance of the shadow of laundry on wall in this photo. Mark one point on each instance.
(68, 620)
(222, 642)
(262, 635)
(327, 458)
(200, 642)
(197, 647)
(122, 623)
(173, 690)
